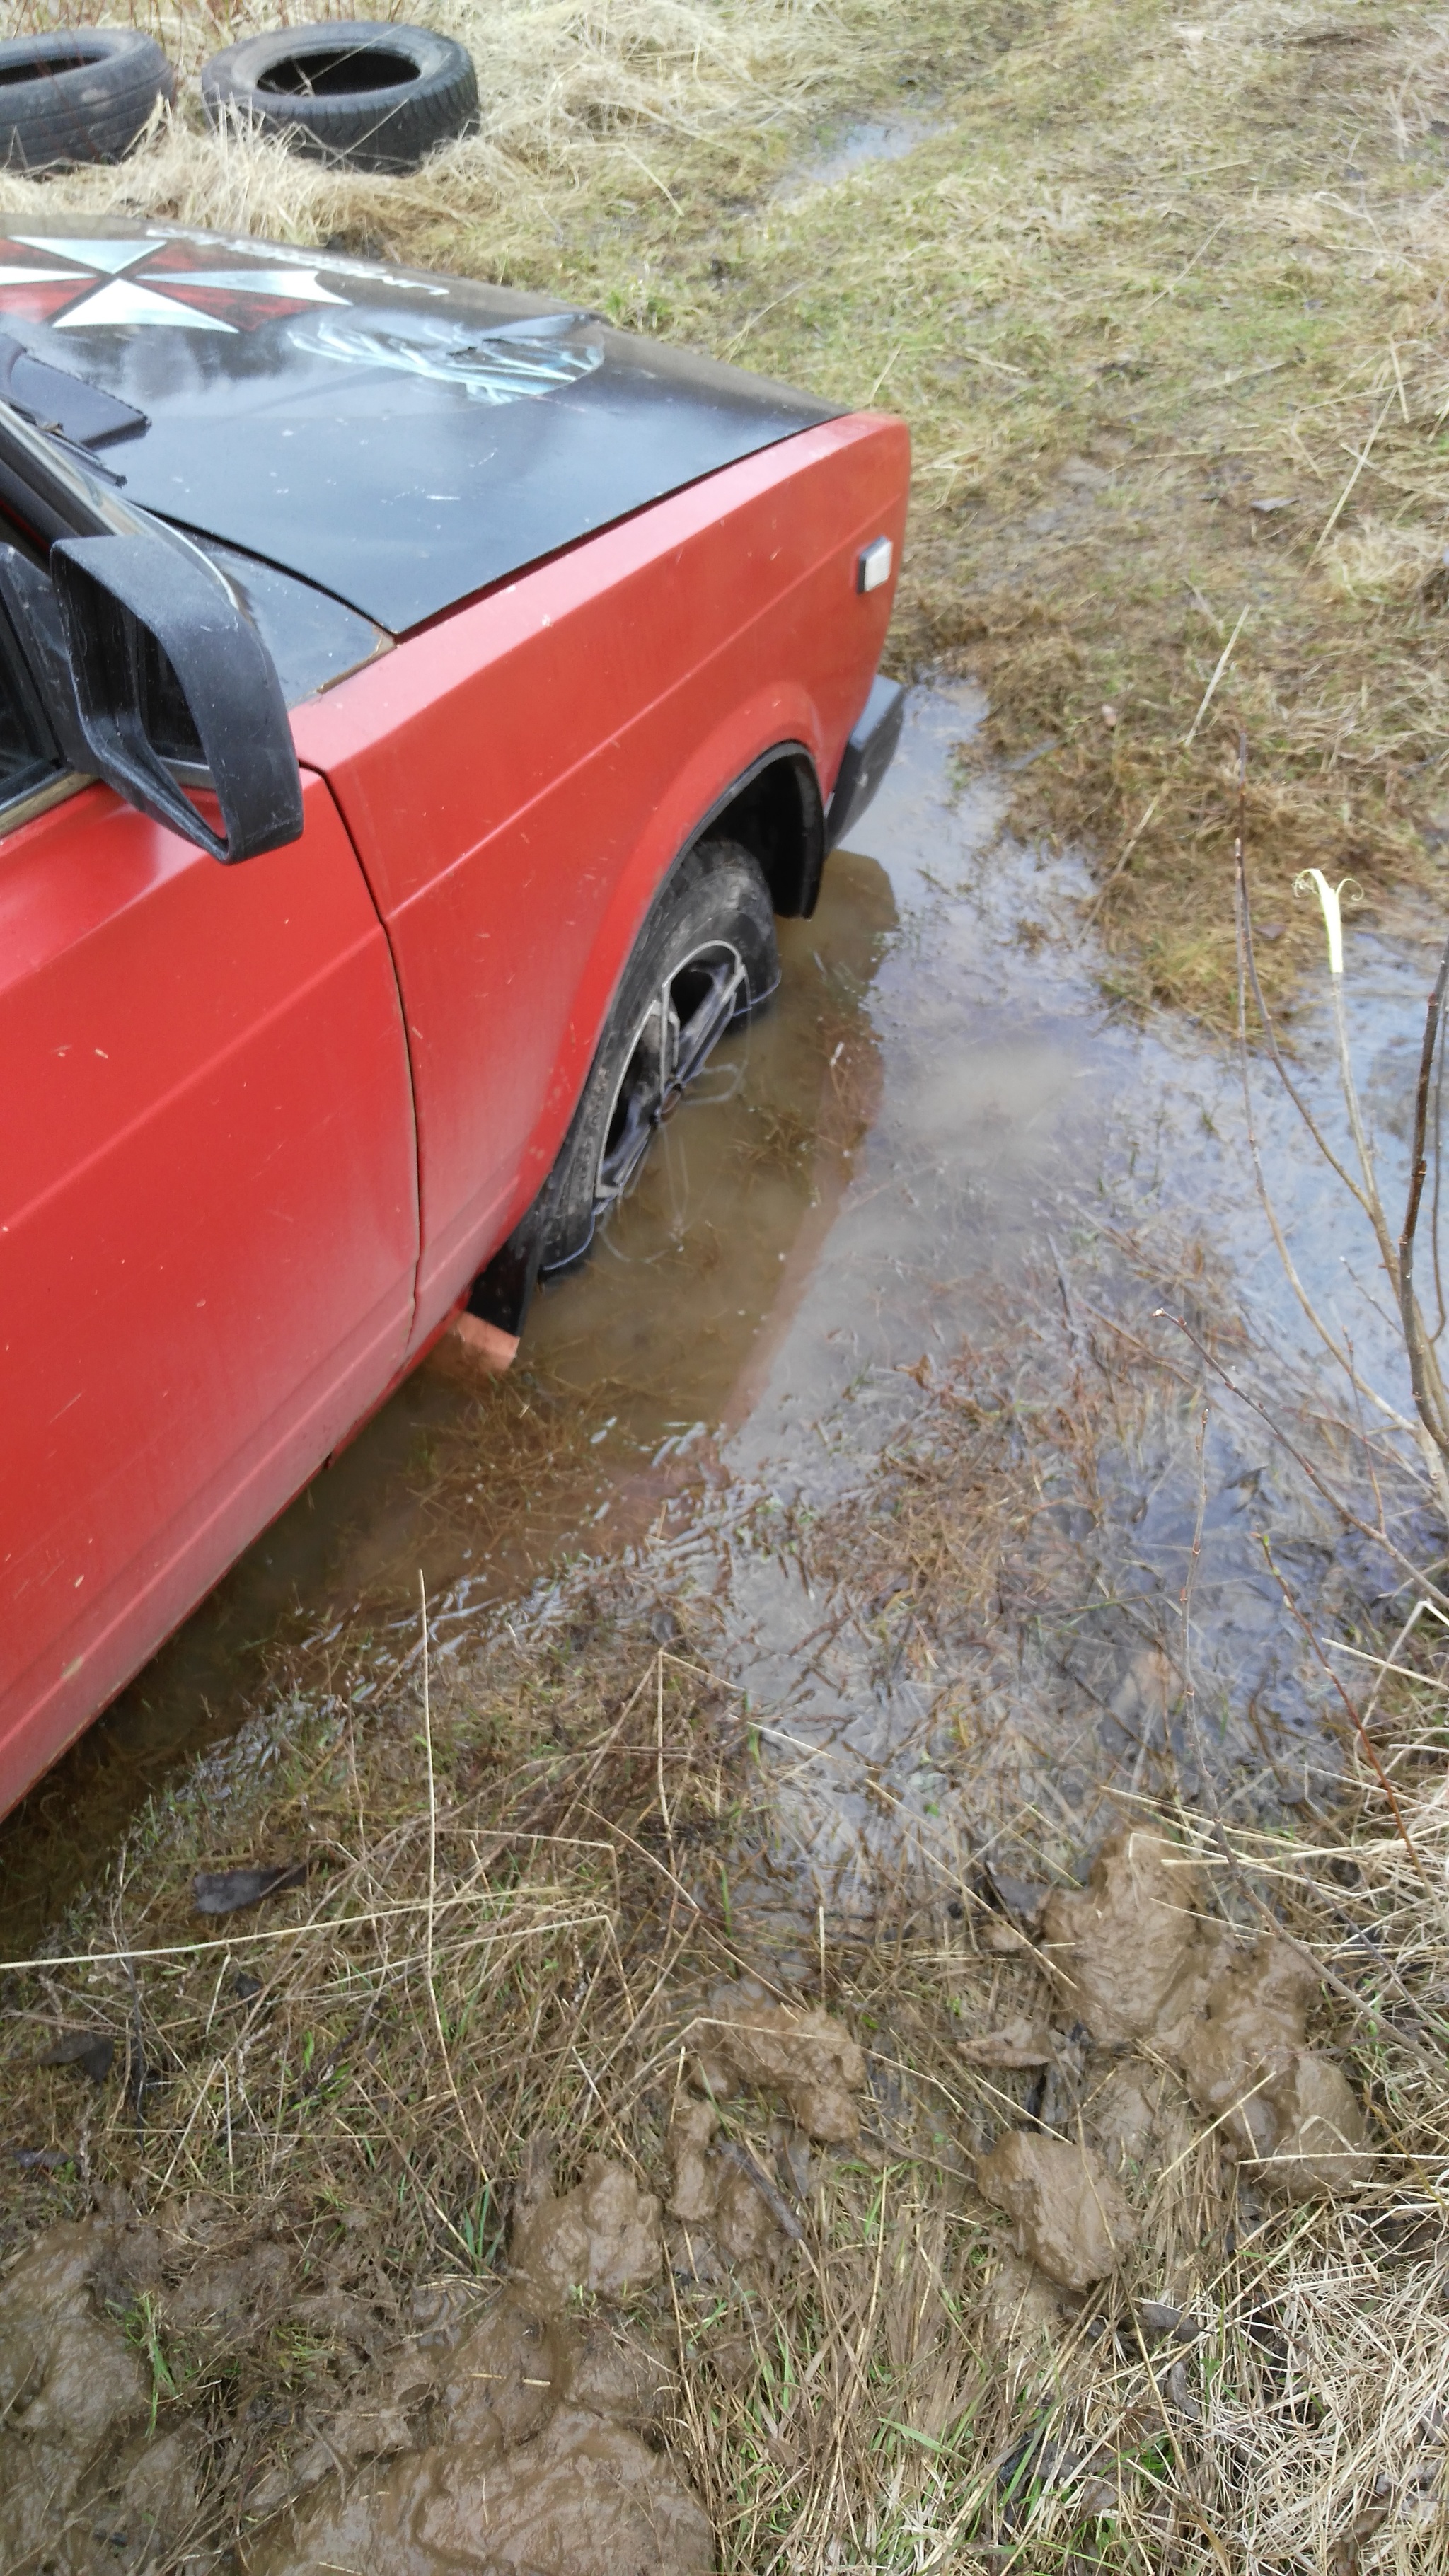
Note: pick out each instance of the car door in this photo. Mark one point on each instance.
(208, 1212)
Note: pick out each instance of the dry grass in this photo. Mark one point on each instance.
(575, 95)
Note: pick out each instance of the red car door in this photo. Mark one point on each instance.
(208, 1214)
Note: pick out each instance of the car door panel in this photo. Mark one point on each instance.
(518, 778)
(208, 1224)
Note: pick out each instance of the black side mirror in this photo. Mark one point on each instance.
(143, 654)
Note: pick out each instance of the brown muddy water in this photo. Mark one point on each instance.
(942, 1133)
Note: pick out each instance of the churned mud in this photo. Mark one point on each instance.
(500, 2432)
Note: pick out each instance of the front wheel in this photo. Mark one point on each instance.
(705, 956)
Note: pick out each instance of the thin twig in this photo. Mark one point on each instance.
(1211, 690)
(1350, 1518)
(1421, 1374)
(1247, 972)
(1194, 1561)
(1361, 458)
(1108, 882)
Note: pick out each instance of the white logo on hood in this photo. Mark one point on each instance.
(518, 362)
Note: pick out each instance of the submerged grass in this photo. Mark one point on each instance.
(1160, 301)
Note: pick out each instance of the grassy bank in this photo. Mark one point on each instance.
(1159, 300)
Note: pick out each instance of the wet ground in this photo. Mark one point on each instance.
(943, 1130)
(853, 147)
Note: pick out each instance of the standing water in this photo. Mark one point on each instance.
(940, 1135)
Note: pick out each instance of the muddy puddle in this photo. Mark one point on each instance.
(855, 147)
(943, 1134)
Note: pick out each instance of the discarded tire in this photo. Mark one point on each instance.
(78, 94)
(376, 96)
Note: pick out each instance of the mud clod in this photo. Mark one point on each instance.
(1070, 2217)
(1289, 2115)
(1023, 2309)
(1124, 2114)
(1321, 2136)
(603, 2236)
(1246, 2041)
(625, 2381)
(1019, 2043)
(584, 2496)
(1117, 1947)
(696, 2181)
(744, 2224)
(75, 2398)
(505, 2379)
(792, 2049)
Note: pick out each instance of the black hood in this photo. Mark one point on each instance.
(399, 439)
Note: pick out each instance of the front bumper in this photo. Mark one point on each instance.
(866, 758)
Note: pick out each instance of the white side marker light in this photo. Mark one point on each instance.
(873, 564)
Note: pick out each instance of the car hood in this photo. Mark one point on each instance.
(399, 439)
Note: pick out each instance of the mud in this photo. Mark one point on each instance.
(1289, 2116)
(1118, 1949)
(696, 2179)
(1070, 2218)
(83, 2487)
(795, 2050)
(1018, 2043)
(516, 2427)
(1125, 2116)
(603, 2236)
(1022, 2310)
(520, 2448)
(584, 2495)
(1138, 1960)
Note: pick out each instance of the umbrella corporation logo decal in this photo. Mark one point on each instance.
(69, 284)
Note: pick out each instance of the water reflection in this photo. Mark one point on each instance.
(940, 1135)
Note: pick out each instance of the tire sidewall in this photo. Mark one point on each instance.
(95, 110)
(715, 893)
(384, 128)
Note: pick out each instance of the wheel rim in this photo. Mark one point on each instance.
(672, 1043)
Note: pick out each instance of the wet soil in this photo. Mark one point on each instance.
(943, 1132)
(480, 2424)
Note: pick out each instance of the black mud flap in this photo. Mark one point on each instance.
(502, 1294)
(867, 757)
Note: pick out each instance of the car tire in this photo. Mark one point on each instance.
(78, 94)
(704, 959)
(374, 95)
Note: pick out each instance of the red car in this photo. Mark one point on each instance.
(415, 702)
